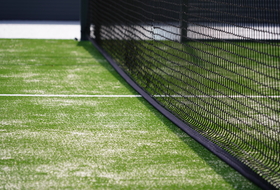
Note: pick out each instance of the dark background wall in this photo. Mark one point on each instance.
(40, 10)
(204, 11)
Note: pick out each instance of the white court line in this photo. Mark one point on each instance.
(74, 96)
(215, 96)
(133, 96)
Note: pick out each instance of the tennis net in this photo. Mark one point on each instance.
(211, 66)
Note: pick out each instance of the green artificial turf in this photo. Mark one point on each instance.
(54, 67)
(91, 143)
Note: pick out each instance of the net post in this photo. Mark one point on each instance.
(183, 20)
(84, 19)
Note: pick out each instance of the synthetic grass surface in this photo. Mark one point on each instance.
(90, 143)
(54, 67)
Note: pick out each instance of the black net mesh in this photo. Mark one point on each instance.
(212, 63)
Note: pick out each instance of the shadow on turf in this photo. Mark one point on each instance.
(96, 54)
(201, 151)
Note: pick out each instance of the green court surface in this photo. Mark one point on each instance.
(81, 142)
